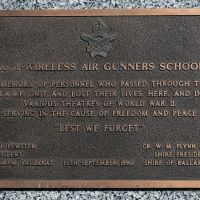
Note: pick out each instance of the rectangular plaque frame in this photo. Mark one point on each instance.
(106, 183)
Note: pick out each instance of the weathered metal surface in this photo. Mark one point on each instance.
(101, 101)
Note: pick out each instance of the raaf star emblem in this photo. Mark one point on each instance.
(99, 42)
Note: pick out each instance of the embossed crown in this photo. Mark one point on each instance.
(99, 28)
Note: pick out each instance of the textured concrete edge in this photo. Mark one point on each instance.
(91, 4)
(100, 195)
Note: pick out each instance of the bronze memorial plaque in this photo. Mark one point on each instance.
(100, 99)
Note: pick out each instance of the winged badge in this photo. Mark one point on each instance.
(99, 42)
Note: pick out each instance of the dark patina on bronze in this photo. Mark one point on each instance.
(61, 128)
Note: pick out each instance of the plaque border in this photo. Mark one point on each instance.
(83, 183)
(100, 184)
(102, 12)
